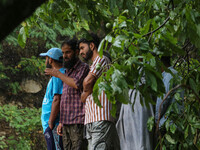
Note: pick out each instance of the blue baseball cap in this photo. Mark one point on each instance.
(54, 53)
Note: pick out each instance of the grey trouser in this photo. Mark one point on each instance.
(102, 135)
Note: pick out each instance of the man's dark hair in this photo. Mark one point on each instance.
(91, 38)
(166, 60)
(72, 43)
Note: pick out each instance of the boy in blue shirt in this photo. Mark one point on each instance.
(51, 101)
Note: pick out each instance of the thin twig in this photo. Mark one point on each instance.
(188, 62)
(150, 37)
(158, 27)
(151, 33)
(177, 61)
(159, 111)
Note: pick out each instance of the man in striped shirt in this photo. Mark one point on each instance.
(72, 112)
(100, 129)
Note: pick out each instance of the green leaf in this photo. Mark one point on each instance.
(193, 130)
(172, 15)
(123, 97)
(113, 110)
(145, 29)
(112, 5)
(22, 37)
(196, 125)
(170, 139)
(198, 29)
(118, 83)
(150, 123)
(96, 92)
(83, 11)
(109, 38)
(186, 132)
(167, 123)
(143, 44)
(193, 85)
(100, 48)
(151, 80)
(172, 128)
(131, 7)
(164, 147)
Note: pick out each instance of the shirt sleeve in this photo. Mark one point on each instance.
(81, 73)
(103, 62)
(57, 86)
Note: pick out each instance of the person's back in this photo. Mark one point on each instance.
(132, 124)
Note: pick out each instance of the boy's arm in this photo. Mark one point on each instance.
(55, 108)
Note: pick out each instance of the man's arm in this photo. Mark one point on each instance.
(55, 108)
(56, 73)
(88, 85)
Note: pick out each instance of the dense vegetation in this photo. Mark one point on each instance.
(136, 33)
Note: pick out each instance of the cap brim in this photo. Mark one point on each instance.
(43, 54)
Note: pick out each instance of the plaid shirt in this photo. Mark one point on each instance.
(72, 110)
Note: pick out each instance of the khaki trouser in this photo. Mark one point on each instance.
(73, 137)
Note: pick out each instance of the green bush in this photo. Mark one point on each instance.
(25, 127)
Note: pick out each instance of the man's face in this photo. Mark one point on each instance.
(69, 56)
(85, 51)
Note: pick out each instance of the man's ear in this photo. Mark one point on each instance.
(92, 46)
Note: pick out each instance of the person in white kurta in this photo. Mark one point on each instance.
(132, 125)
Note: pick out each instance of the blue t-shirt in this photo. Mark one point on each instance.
(54, 86)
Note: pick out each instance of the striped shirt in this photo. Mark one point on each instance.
(92, 111)
(71, 108)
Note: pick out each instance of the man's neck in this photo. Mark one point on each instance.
(56, 66)
(95, 54)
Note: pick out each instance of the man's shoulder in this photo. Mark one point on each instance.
(101, 59)
(83, 65)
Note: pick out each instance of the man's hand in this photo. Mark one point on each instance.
(52, 72)
(59, 129)
(84, 96)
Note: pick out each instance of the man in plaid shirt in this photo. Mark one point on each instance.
(72, 112)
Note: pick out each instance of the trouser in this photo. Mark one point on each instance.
(73, 137)
(53, 140)
(102, 135)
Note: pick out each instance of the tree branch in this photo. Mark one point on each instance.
(178, 86)
(158, 27)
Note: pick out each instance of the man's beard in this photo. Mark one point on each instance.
(88, 55)
(70, 63)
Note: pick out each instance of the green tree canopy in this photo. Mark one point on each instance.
(136, 33)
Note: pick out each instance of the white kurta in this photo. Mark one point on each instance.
(132, 126)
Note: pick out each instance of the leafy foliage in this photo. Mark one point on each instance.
(25, 124)
(136, 34)
(32, 66)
